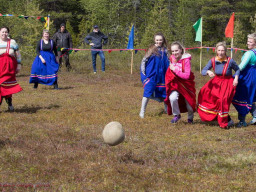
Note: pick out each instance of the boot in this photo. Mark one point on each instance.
(35, 85)
(68, 66)
(143, 106)
(56, 87)
(165, 108)
(9, 102)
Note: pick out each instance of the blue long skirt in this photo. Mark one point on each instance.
(154, 80)
(245, 90)
(44, 73)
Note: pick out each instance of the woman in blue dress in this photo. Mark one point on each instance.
(45, 67)
(246, 89)
(153, 68)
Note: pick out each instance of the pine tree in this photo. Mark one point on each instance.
(75, 39)
(183, 22)
(158, 21)
(239, 37)
(253, 23)
(215, 15)
(26, 32)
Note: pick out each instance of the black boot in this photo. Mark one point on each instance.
(9, 102)
(68, 66)
(35, 85)
(56, 86)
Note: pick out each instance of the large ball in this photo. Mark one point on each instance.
(113, 133)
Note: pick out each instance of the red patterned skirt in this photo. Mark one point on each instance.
(214, 99)
(8, 83)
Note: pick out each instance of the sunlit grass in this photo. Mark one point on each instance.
(54, 136)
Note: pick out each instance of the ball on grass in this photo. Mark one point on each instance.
(113, 133)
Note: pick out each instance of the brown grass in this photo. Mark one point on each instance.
(54, 137)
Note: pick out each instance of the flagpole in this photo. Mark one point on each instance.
(130, 44)
(48, 21)
(132, 61)
(201, 47)
(232, 47)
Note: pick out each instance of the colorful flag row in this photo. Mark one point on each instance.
(41, 18)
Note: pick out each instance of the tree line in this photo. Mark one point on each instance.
(174, 18)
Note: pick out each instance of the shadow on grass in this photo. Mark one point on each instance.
(66, 88)
(34, 109)
(23, 75)
(60, 88)
(4, 142)
(130, 158)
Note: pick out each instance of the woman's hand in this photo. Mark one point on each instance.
(172, 67)
(42, 59)
(210, 73)
(235, 82)
(18, 68)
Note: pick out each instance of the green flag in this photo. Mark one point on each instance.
(198, 27)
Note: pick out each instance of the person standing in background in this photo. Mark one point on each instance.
(95, 39)
(63, 39)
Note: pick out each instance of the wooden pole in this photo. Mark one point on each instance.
(231, 47)
(48, 22)
(132, 61)
(201, 47)
(201, 59)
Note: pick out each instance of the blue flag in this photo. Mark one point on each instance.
(131, 39)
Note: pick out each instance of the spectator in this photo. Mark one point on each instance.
(63, 39)
(95, 39)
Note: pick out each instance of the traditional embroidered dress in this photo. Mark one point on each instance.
(246, 88)
(216, 95)
(45, 73)
(8, 66)
(154, 78)
(182, 81)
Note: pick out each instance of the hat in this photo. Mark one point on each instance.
(62, 24)
(95, 26)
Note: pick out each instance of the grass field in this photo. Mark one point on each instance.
(53, 139)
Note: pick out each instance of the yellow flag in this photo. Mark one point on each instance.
(46, 22)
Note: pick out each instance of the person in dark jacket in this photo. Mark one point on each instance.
(63, 39)
(95, 39)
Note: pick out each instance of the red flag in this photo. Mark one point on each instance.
(229, 31)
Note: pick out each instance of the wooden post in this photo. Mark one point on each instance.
(48, 22)
(132, 61)
(201, 47)
(201, 58)
(231, 47)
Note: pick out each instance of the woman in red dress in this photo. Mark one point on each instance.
(9, 66)
(216, 95)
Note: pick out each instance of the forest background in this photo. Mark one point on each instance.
(174, 18)
(56, 135)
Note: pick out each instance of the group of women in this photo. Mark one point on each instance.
(169, 79)
(44, 68)
(165, 78)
